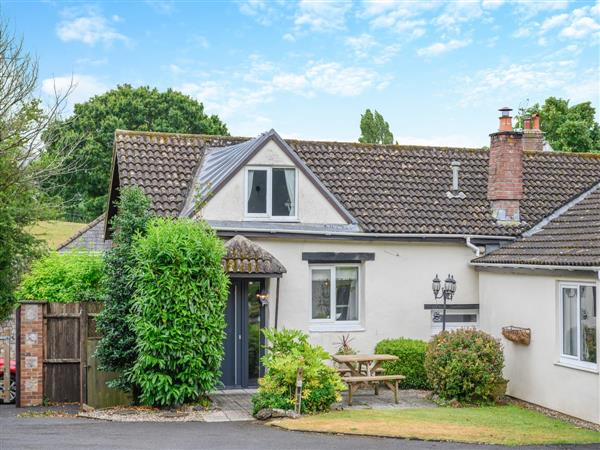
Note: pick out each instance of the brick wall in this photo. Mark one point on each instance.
(32, 353)
(505, 175)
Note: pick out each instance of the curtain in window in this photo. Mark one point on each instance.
(290, 184)
(250, 184)
(569, 319)
(321, 294)
(587, 327)
(346, 293)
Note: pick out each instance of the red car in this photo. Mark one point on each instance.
(13, 380)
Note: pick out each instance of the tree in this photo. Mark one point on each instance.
(374, 129)
(93, 125)
(23, 121)
(179, 311)
(566, 128)
(116, 350)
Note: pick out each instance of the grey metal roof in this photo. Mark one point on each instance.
(219, 164)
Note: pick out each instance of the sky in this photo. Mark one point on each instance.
(437, 71)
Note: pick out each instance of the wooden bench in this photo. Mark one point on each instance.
(354, 382)
(344, 371)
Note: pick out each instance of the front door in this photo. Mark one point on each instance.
(243, 344)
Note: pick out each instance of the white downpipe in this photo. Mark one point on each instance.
(473, 247)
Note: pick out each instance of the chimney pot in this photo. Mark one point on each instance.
(527, 122)
(505, 119)
(536, 121)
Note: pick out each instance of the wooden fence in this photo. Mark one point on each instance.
(69, 370)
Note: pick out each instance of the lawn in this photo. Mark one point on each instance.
(55, 232)
(508, 425)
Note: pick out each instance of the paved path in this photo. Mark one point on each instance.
(73, 433)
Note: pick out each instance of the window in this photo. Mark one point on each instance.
(455, 318)
(335, 293)
(578, 324)
(271, 192)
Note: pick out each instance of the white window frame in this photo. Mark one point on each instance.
(332, 322)
(570, 360)
(269, 196)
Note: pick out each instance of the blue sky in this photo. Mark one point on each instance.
(437, 71)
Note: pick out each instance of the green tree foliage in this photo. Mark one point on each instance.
(23, 121)
(116, 349)
(465, 365)
(90, 131)
(567, 128)
(374, 129)
(289, 350)
(410, 362)
(75, 276)
(179, 305)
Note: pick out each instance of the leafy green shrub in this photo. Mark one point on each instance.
(288, 351)
(410, 363)
(178, 312)
(465, 365)
(64, 277)
(116, 349)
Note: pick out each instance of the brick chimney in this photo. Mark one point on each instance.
(533, 138)
(505, 171)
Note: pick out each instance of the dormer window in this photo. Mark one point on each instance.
(271, 192)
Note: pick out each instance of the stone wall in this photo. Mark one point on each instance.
(8, 328)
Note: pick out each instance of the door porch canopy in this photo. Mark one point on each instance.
(245, 258)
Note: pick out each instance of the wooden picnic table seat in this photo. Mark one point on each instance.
(343, 371)
(391, 381)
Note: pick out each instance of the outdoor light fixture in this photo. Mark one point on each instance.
(263, 298)
(447, 292)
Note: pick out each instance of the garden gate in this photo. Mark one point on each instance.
(63, 337)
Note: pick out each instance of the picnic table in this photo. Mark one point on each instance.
(365, 370)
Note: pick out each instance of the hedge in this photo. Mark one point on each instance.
(68, 277)
(410, 363)
(178, 311)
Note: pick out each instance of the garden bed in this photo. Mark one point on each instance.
(148, 414)
(506, 425)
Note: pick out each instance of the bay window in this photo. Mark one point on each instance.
(578, 324)
(335, 293)
(271, 192)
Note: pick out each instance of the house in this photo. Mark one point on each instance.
(344, 238)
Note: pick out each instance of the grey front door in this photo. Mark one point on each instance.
(244, 343)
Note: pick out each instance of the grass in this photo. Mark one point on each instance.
(55, 232)
(507, 425)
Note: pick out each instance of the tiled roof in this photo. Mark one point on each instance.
(162, 164)
(572, 238)
(90, 237)
(387, 188)
(246, 257)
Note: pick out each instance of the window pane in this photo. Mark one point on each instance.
(284, 192)
(588, 323)
(321, 294)
(569, 313)
(257, 191)
(346, 293)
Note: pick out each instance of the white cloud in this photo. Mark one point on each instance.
(456, 13)
(81, 88)
(580, 27)
(261, 10)
(517, 81)
(333, 78)
(553, 22)
(322, 16)
(443, 47)
(526, 9)
(290, 82)
(361, 45)
(289, 37)
(492, 4)
(162, 6)
(402, 17)
(522, 32)
(89, 29)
